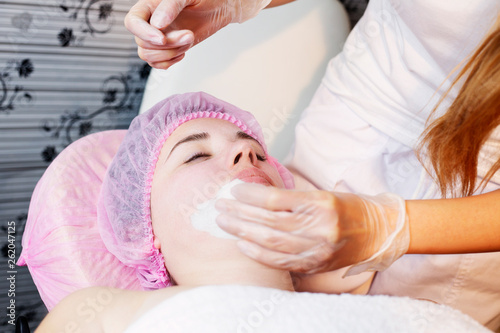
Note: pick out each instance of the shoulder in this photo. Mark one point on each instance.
(77, 311)
(102, 309)
(150, 299)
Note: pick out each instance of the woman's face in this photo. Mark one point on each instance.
(198, 158)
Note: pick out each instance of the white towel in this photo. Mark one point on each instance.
(245, 309)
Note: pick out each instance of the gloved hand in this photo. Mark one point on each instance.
(166, 29)
(316, 231)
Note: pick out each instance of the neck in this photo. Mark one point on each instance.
(241, 272)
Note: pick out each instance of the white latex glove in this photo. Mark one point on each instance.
(166, 29)
(316, 231)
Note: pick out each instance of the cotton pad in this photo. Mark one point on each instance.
(204, 217)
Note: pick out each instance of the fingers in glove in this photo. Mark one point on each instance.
(265, 237)
(276, 199)
(172, 40)
(308, 218)
(160, 56)
(311, 261)
(137, 22)
(167, 11)
(168, 63)
(178, 38)
(284, 221)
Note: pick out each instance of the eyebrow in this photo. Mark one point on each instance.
(243, 135)
(189, 138)
(205, 136)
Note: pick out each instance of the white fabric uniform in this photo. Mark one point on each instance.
(360, 129)
(245, 309)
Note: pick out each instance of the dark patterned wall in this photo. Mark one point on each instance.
(355, 9)
(67, 68)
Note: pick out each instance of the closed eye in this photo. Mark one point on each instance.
(196, 156)
(261, 157)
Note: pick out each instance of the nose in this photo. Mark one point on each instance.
(242, 153)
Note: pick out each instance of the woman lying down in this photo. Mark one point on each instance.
(157, 210)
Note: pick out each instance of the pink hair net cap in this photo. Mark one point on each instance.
(61, 243)
(124, 214)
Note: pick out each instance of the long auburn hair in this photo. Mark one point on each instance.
(453, 141)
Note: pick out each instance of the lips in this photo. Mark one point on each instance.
(254, 175)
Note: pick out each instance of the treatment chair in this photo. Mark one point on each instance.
(270, 65)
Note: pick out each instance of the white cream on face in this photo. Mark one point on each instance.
(203, 218)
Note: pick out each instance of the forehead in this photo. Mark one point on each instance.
(213, 127)
(209, 125)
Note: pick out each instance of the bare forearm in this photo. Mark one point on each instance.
(463, 225)
(276, 3)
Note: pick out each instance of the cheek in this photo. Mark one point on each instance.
(272, 172)
(171, 206)
(181, 191)
(176, 197)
